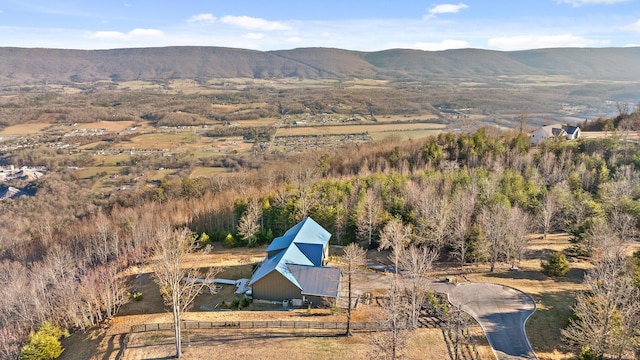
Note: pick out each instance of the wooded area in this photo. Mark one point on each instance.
(468, 196)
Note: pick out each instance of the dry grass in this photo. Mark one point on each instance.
(24, 129)
(404, 135)
(273, 344)
(356, 129)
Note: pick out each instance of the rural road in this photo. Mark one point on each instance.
(500, 310)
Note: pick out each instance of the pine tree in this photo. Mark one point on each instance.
(43, 344)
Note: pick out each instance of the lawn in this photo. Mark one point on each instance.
(273, 344)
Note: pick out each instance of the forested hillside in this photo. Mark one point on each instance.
(462, 194)
(21, 65)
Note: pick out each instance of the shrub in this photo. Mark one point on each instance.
(244, 302)
(43, 344)
(556, 266)
(586, 354)
(137, 296)
(235, 304)
(204, 239)
(230, 241)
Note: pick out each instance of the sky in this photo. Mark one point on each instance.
(370, 25)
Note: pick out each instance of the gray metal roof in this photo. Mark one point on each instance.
(317, 281)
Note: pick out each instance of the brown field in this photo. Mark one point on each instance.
(630, 135)
(24, 129)
(206, 172)
(89, 172)
(355, 129)
(392, 118)
(404, 135)
(109, 125)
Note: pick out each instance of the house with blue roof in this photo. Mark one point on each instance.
(294, 267)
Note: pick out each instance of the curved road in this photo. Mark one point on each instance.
(500, 310)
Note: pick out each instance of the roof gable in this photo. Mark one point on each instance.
(313, 252)
(309, 238)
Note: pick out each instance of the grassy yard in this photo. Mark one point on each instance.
(272, 344)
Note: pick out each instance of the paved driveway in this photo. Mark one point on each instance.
(500, 310)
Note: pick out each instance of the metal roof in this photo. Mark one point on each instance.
(303, 244)
(317, 281)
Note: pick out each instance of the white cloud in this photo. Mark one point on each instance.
(540, 41)
(447, 8)
(577, 3)
(294, 40)
(253, 36)
(633, 27)
(202, 18)
(131, 35)
(443, 45)
(252, 23)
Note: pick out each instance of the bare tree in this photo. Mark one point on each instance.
(433, 212)
(494, 220)
(390, 343)
(457, 326)
(395, 235)
(548, 209)
(523, 118)
(249, 224)
(369, 215)
(178, 274)
(606, 316)
(462, 210)
(354, 256)
(416, 261)
(517, 235)
(303, 177)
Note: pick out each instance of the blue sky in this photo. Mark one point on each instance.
(354, 25)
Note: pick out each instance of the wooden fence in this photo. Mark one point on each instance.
(356, 326)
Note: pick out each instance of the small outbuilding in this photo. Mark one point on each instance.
(294, 267)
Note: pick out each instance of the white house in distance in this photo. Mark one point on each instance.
(569, 132)
(294, 267)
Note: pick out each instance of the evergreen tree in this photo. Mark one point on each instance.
(43, 344)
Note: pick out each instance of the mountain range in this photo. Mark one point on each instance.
(29, 65)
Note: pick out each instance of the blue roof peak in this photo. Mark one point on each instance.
(310, 239)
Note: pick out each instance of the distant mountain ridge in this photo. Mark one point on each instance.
(26, 65)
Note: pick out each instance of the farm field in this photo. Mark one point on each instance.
(24, 129)
(357, 129)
